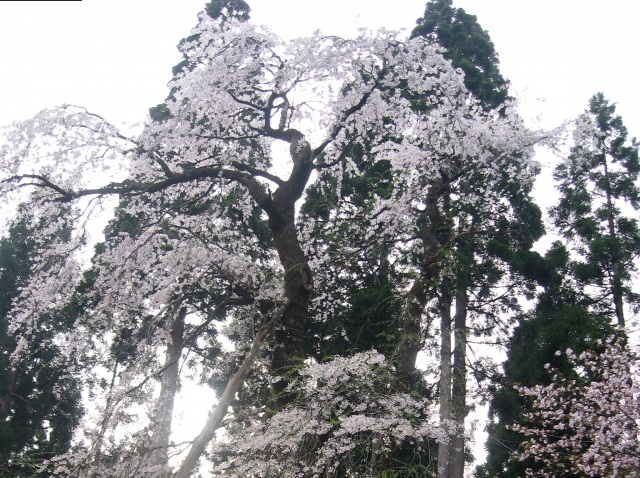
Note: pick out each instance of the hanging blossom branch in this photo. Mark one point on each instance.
(587, 426)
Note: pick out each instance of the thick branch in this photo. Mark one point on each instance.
(135, 188)
(258, 172)
(127, 187)
(257, 193)
(165, 168)
(339, 126)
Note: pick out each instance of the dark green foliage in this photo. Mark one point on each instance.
(370, 318)
(533, 345)
(371, 321)
(228, 9)
(469, 48)
(39, 401)
(587, 285)
(599, 198)
(560, 321)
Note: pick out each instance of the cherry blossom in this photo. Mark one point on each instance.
(217, 238)
(588, 425)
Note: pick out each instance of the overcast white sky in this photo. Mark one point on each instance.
(115, 56)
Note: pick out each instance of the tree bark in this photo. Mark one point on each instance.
(415, 303)
(289, 336)
(290, 320)
(168, 389)
(411, 342)
(444, 462)
(459, 381)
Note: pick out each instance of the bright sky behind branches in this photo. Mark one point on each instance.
(115, 56)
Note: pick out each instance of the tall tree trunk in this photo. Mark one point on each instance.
(616, 272)
(411, 342)
(444, 455)
(289, 335)
(168, 389)
(415, 303)
(291, 323)
(459, 381)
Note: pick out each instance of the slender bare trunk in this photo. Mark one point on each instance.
(459, 382)
(444, 462)
(219, 411)
(168, 389)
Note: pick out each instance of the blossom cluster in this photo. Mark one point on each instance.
(348, 416)
(588, 425)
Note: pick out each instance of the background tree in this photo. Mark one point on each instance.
(598, 192)
(560, 320)
(39, 399)
(469, 48)
(586, 283)
(482, 242)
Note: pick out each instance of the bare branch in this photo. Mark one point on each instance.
(220, 410)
